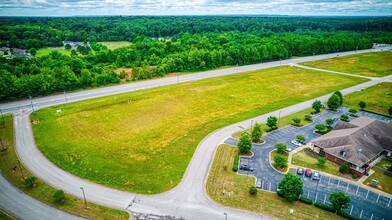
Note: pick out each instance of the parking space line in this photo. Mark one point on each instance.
(360, 215)
(348, 184)
(351, 211)
(378, 197)
(329, 180)
(356, 193)
(389, 202)
(367, 193)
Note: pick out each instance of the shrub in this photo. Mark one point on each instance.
(281, 147)
(354, 176)
(59, 196)
(306, 200)
(297, 121)
(280, 193)
(344, 168)
(280, 160)
(322, 161)
(362, 104)
(323, 206)
(352, 110)
(235, 165)
(344, 117)
(300, 138)
(308, 118)
(320, 127)
(30, 181)
(348, 216)
(253, 190)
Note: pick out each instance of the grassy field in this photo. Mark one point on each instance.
(266, 203)
(142, 141)
(46, 51)
(385, 181)
(42, 191)
(302, 159)
(378, 98)
(368, 64)
(284, 121)
(112, 45)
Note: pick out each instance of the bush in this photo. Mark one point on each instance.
(344, 117)
(308, 118)
(300, 138)
(322, 161)
(320, 127)
(323, 206)
(362, 104)
(347, 216)
(280, 193)
(30, 181)
(235, 165)
(344, 168)
(354, 176)
(280, 161)
(281, 147)
(59, 196)
(297, 121)
(306, 200)
(253, 190)
(352, 110)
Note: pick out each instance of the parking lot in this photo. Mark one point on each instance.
(365, 204)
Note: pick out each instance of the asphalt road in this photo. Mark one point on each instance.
(188, 199)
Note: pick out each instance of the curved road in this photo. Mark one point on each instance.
(188, 199)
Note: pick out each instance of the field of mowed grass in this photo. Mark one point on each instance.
(143, 141)
(112, 45)
(302, 159)
(42, 191)
(378, 98)
(236, 188)
(376, 64)
(47, 51)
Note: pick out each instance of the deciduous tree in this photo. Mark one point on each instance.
(291, 187)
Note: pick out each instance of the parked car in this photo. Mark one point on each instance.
(288, 149)
(308, 173)
(258, 183)
(295, 142)
(300, 171)
(246, 167)
(316, 176)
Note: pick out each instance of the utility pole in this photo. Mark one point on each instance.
(2, 116)
(20, 168)
(316, 190)
(84, 197)
(225, 214)
(65, 96)
(31, 101)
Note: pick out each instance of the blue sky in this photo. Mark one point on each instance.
(193, 7)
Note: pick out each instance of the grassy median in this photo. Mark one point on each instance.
(13, 171)
(236, 192)
(143, 141)
(367, 64)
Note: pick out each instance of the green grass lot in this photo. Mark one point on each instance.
(47, 51)
(385, 181)
(302, 159)
(368, 64)
(265, 203)
(284, 121)
(42, 191)
(378, 98)
(4, 216)
(112, 45)
(142, 140)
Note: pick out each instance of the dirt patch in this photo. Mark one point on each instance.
(127, 71)
(36, 122)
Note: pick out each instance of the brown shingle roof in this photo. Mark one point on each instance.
(362, 139)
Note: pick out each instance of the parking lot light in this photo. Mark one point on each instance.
(225, 214)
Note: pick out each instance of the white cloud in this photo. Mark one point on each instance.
(191, 7)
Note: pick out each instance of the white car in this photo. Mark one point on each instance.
(258, 183)
(295, 142)
(289, 149)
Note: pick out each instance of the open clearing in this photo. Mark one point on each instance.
(47, 51)
(378, 98)
(112, 45)
(42, 191)
(236, 188)
(302, 159)
(143, 141)
(368, 64)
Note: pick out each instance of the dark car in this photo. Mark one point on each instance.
(246, 167)
(300, 171)
(308, 173)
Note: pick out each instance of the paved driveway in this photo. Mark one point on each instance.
(367, 204)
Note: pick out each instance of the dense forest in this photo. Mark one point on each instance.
(161, 45)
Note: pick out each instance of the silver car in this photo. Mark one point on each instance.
(258, 183)
(316, 176)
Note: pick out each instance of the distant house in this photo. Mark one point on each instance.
(73, 43)
(16, 52)
(359, 143)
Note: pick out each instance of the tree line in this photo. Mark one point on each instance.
(204, 43)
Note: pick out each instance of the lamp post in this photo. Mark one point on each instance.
(225, 214)
(84, 197)
(315, 195)
(31, 101)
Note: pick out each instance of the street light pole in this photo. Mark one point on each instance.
(316, 190)
(31, 101)
(84, 197)
(225, 215)
(65, 96)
